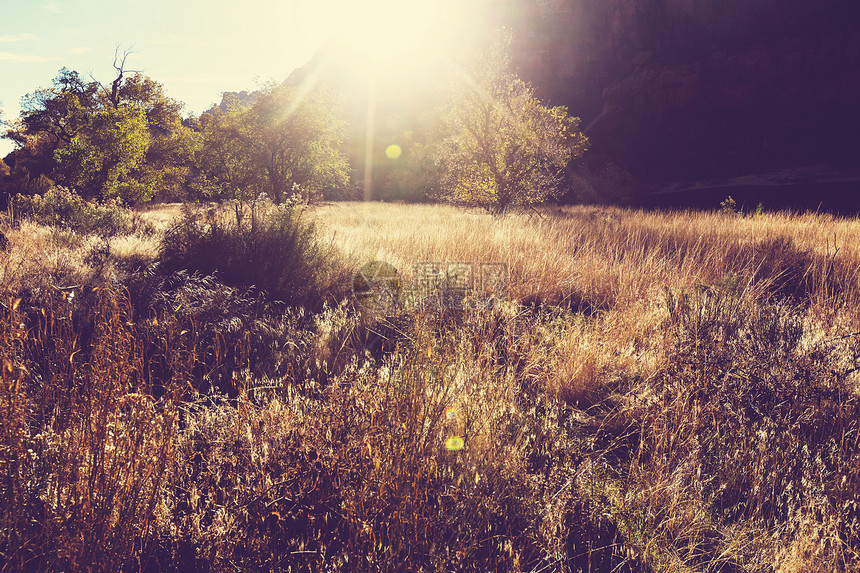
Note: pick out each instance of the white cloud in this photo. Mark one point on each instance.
(80, 50)
(10, 57)
(17, 38)
(54, 7)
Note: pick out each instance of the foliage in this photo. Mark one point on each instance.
(504, 147)
(170, 157)
(59, 113)
(98, 164)
(275, 250)
(65, 209)
(286, 142)
(125, 141)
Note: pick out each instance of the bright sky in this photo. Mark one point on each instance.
(196, 48)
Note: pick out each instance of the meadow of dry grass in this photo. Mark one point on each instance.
(654, 392)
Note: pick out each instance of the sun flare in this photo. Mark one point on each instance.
(402, 38)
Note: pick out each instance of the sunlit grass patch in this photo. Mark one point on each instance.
(655, 391)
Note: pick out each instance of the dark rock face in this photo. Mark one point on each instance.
(691, 89)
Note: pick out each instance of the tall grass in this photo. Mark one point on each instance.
(87, 442)
(600, 257)
(717, 368)
(656, 392)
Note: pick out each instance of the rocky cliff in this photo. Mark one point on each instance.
(692, 89)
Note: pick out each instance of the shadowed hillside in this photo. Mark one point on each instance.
(685, 90)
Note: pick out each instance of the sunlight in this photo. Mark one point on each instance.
(392, 54)
(403, 39)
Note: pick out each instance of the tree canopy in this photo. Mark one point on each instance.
(125, 140)
(503, 147)
(287, 141)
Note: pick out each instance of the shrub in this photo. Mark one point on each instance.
(755, 421)
(729, 206)
(274, 250)
(60, 207)
(85, 445)
(236, 333)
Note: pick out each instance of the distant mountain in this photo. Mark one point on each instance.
(229, 99)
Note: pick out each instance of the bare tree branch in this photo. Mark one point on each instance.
(118, 65)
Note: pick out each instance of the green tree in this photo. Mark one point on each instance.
(99, 162)
(49, 120)
(124, 140)
(226, 170)
(503, 147)
(286, 141)
(56, 115)
(170, 157)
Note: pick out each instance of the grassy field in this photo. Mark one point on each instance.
(653, 392)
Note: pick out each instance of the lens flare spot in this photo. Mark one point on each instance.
(454, 443)
(393, 151)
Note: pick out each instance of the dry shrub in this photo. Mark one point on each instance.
(86, 444)
(236, 334)
(753, 421)
(240, 336)
(62, 208)
(274, 249)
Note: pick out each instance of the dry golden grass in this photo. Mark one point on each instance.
(160, 215)
(615, 255)
(596, 259)
(37, 252)
(618, 267)
(660, 392)
(40, 256)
